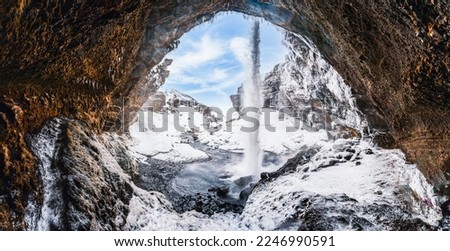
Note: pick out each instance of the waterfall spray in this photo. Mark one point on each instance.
(251, 101)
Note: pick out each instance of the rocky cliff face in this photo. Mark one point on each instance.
(307, 87)
(86, 179)
(395, 56)
(80, 58)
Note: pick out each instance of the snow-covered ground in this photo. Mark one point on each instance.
(150, 211)
(371, 177)
(167, 144)
(348, 184)
(360, 185)
(278, 134)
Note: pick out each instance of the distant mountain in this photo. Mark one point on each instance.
(177, 98)
(170, 99)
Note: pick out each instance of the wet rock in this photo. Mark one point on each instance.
(445, 207)
(156, 175)
(220, 191)
(226, 176)
(118, 147)
(89, 189)
(243, 195)
(304, 156)
(328, 163)
(244, 181)
(368, 151)
(348, 157)
(350, 150)
(313, 212)
(208, 204)
(445, 222)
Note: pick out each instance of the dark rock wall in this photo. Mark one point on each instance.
(80, 58)
(96, 196)
(87, 179)
(396, 56)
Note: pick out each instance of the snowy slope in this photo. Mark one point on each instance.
(373, 179)
(277, 135)
(375, 189)
(173, 94)
(343, 175)
(167, 144)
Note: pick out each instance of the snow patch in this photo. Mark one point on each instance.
(152, 212)
(167, 144)
(279, 133)
(182, 153)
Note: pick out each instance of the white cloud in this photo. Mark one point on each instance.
(203, 78)
(202, 52)
(208, 65)
(194, 66)
(240, 48)
(218, 75)
(219, 88)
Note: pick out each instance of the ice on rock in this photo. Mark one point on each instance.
(44, 146)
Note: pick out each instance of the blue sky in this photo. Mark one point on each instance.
(209, 63)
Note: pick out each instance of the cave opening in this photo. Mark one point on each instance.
(194, 122)
(208, 69)
(311, 133)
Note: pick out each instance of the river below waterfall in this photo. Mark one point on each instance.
(207, 186)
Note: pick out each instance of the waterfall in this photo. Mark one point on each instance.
(251, 101)
(44, 146)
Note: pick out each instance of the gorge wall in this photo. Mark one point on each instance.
(92, 60)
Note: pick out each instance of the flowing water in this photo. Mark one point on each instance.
(251, 101)
(44, 144)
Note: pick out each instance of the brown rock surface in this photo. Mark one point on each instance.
(80, 58)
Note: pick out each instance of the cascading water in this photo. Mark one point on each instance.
(44, 145)
(251, 101)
